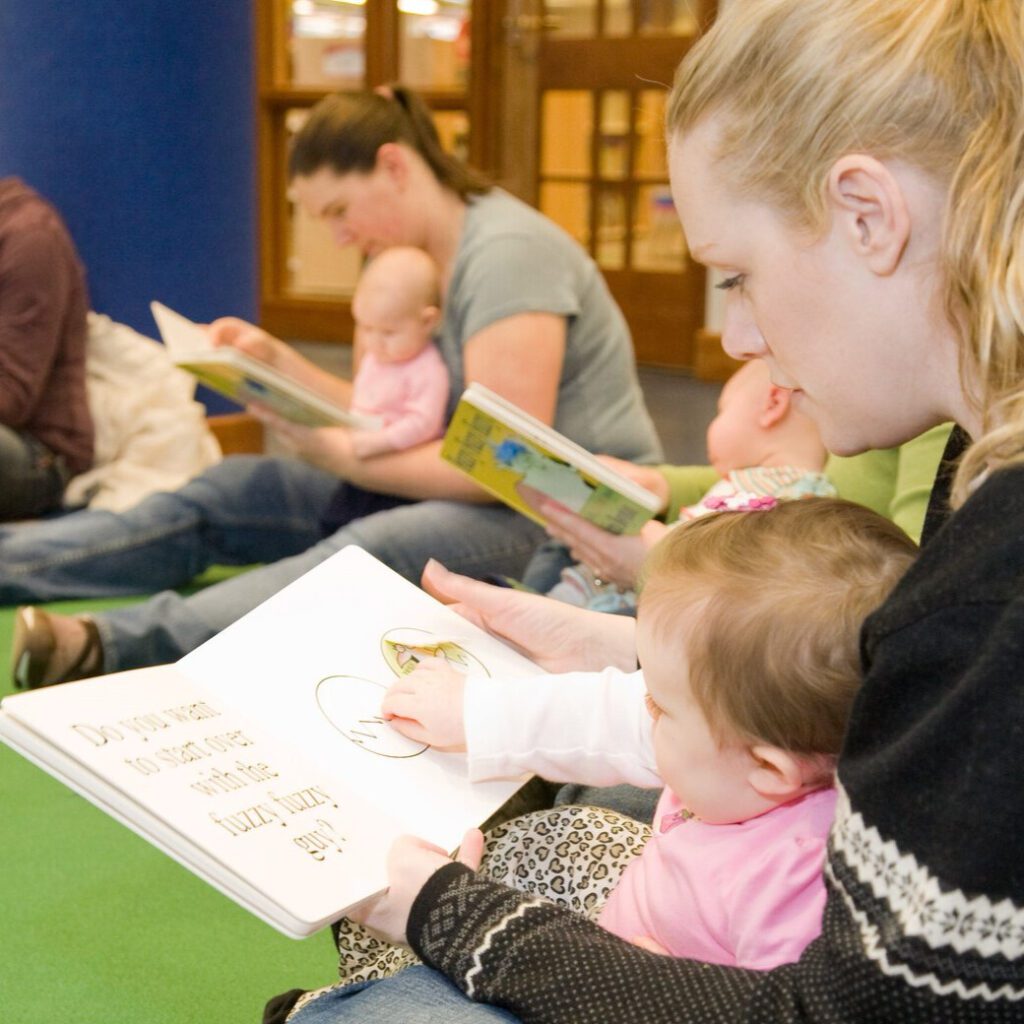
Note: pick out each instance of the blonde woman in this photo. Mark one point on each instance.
(856, 168)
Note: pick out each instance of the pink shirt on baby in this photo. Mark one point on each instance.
(411, 397)
(749, 894)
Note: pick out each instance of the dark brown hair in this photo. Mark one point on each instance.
(344, 132)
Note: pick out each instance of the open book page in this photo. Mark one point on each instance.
(260, 760)
(523, 461)
(242, 379)
(195, 777)
(318, 657)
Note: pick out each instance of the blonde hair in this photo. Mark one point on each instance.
(938, 84)
(773, 652)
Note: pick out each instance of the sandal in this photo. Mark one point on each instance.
(36, 649)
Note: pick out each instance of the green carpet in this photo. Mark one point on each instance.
(99, 927)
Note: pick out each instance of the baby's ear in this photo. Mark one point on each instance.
(779, 775)
(775, 406)
(431, 317)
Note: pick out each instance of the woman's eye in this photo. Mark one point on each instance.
(730, 282)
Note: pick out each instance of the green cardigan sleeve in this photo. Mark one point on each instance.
(686, 486)
(895, 482)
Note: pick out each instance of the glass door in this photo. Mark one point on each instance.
(603, 70)
(307, 49)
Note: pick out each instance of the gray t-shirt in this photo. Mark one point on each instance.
(512, 260)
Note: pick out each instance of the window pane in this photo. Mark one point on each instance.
(570, 19)
(434, 44)
(453, 128)
(657, 235)
(650, 134)
(315, 264)
(618, 17)
(326, 45)
(613, 142)
(566, 128)
(611, 229)
(569, 206)
(667, 17)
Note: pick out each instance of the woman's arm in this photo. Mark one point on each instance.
(258, 344)
(558, 637)
(519, 357)
(549, 966)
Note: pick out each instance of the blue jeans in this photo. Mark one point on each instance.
(246, 509)
(32, 478)
(417, 995)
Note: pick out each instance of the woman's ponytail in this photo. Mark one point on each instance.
(344, 132)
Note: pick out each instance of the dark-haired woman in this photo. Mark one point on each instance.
(526, 313)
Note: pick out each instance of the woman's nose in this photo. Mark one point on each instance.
(741, 337)
(341, 234)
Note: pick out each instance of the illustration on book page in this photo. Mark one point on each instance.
(406, 647)
(352, 703)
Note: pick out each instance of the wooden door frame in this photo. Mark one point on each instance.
(523, 22)
(329, 318)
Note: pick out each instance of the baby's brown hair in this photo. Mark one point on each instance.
(773, 655)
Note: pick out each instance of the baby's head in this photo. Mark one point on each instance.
(757, 425)
(396, 306)
(748, 633)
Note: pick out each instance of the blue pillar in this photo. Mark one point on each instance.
(137, 121)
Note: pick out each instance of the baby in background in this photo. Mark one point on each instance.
(763, 449)
(400, 377)
(748, 633)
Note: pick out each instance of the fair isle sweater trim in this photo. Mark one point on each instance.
(876, 952)
(915, 897)
(489, 935)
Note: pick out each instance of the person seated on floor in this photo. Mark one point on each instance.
(401, 378)
(854, 166)
(748, 632)
(518, 291)
(762, 449)
(46, 432)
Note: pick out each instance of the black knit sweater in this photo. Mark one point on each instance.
(925, 871)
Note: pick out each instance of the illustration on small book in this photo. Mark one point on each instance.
(542, 473)
(524, 462)
(352, 703)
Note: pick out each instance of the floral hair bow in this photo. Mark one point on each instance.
(741, 503)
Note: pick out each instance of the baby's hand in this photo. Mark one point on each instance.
(426, 705)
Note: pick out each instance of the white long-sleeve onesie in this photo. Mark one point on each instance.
(586, 727)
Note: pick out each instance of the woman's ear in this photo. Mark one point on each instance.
(392, 161)
(869, 207)
(778, 775)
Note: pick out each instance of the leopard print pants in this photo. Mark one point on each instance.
(573, 856)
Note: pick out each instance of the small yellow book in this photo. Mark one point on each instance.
(523, 461)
